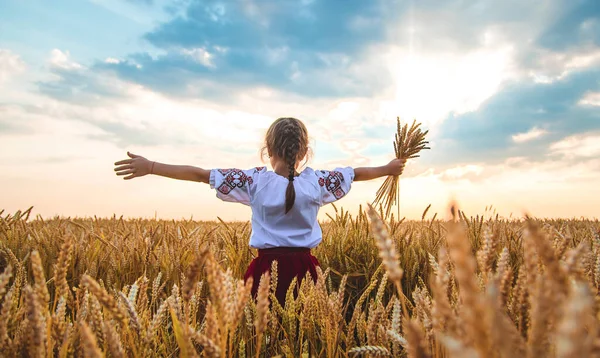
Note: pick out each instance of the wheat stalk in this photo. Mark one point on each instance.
(465, 271)
(39, 280)
(5, 313)
(578, 328)
(504, 335)
(407, 144)
(104, 298)
(36, 322)
(504, 275)
(89, 342)
(133, 316)
(262, 309)
(417, 346)
(192, 277)
(60, 271)
(112, 340)
(4, 279)
(210, 348)
(388, 254)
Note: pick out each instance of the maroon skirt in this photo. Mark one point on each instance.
(291, 262)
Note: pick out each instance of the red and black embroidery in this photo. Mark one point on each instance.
(233, 178)
(258, 169)
(332, 182)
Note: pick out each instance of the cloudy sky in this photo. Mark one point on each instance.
(510, 91)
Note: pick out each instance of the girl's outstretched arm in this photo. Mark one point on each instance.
(138, 166)
(395, 167)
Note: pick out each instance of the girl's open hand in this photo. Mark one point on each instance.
(137, 166)
(396, 166)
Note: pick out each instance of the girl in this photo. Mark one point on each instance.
(284, 203)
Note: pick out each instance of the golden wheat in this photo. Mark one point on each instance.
(474, 287)
(407, 144)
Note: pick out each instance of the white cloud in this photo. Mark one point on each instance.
(10, 65)
(62, 60)
(581, 145)
(532, 134)
(590, 99)
(554, 66)
(200, 55)
(112, 60)
(583, 60)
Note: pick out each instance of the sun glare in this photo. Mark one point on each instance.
(431, 87)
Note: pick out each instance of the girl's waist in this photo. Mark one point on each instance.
(283, 251)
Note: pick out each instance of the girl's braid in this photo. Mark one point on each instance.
(292, 146)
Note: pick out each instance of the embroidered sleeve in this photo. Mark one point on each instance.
(235, 185)
(334, 184)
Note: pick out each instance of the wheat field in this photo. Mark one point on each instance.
(478, 286)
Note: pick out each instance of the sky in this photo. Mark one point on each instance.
(509, 91)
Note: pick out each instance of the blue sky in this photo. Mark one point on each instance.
(510, 92)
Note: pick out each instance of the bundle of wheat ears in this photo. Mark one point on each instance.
(409, 142)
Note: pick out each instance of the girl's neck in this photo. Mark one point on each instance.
(281, 168)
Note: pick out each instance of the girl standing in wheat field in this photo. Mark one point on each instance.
(284, 202)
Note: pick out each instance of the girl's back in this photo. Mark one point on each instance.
(263, 191)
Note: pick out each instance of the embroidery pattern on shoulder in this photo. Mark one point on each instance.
(233, 178)
(258, 169)
(332, 181)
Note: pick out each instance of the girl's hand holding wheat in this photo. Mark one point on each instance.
(396, 167)
(137, 166)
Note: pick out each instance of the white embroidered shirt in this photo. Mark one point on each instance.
(264, 191)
